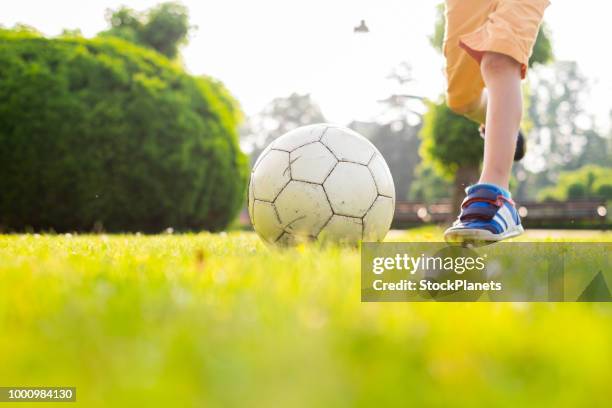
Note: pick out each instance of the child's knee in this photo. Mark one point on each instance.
(493, 63)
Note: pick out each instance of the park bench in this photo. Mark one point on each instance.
(577, 213)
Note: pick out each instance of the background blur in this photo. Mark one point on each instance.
(294, 63)
(146, 118)
(274, 48)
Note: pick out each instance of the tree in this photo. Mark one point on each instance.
(394, 133)
(399, 145)
(403, 108)
(164, 28)
(428, 186)
(279, 117)
(562, 132)
(104, 132)
(452, 143)
(445, 147)
(590, 181)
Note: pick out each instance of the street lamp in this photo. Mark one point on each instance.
(361, 28)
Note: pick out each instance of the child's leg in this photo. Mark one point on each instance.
(501, 45)
(466, 93)
(488, 213)
(502, 77)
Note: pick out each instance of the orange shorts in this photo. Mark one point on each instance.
(474, 27)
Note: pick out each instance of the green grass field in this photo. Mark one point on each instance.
(223, 320)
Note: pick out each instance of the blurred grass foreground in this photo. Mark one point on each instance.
(222, 320)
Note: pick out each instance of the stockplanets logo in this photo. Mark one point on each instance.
(432, 286)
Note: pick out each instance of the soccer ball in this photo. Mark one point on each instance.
(321, 182)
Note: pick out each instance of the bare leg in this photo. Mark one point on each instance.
(502, 78)
(502, 110)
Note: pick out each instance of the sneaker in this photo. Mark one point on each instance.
(488, 215)
(521, 146)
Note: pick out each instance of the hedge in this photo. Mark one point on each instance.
(102, 133)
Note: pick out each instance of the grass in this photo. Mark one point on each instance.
(222, 320)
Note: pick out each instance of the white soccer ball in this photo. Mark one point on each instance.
(321, 181)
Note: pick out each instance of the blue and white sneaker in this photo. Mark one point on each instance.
(487, 215)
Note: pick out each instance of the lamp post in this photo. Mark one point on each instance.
(362, 28)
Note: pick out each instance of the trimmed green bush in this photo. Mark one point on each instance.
(590, 181)
(103, 132)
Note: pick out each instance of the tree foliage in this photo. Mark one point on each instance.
(542, 49)
(436, 39)
(399, 145)
(104, 131)
(164, 28)
(563, 134)
(449, 141)
(589, 181)
(395, 129)
(428, 186)
(280, 116)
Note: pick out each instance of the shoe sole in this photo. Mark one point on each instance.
(479, 237)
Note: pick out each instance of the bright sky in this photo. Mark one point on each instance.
(267, 48)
